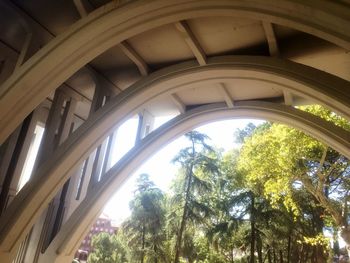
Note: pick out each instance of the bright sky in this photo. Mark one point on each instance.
(159, 166)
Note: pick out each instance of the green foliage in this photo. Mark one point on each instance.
(289, 167)
(327, 115)
(144, 230)
(269, 201)
(196, 160)
(278, 158)
(108, 249)
(271, 161)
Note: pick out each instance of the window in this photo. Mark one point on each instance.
(81, 179)
(31, 156)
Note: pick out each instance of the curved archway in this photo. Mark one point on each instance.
(68, 240)
(112, 24)
(34, 197)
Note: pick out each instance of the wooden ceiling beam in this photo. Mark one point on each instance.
(271, 39)
(179, 103)
(275, 52)
(124, 46)
(192, 42)
(83, 7)
(288, 97)
(135, 57)
(100, 79)
(224, 92)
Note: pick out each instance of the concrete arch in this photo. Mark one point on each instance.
(68, 240)
(34, 197)
(111, 24)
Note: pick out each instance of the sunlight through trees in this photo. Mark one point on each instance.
(271, 201)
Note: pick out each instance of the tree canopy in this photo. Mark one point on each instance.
(271, 201)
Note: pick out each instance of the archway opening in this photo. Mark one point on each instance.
(283, 252)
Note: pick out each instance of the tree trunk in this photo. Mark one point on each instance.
(252, 227)
(259, 250)
(314, 255)
(281, 256)
(301, 254)
(269, 257)
(179, 235)
(155, 254)
(336, 248)
(143, 244)
(345, 234)
(274, 256)
(307, 254)
(184, 215)
(289, 247)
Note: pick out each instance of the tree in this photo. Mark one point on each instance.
(108, 249)
(283, 160)
(194, 160)
(144, 229)
(247, 212)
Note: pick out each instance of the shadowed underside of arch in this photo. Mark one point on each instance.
(310, 83)
(111, 24)
(68, 240)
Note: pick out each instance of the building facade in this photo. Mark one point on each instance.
(102, 225)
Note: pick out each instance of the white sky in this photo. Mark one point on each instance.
(159, 166)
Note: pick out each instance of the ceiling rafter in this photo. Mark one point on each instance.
(81, 6)
(130, 52)
(288, 97)
(101, 79)
(271, 39)
(24, 50)
(192, 42)
(30, 21)
(275, 52)
(83, 9)
(224, 92)
(178, 102)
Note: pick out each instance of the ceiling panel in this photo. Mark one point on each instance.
(83, 82)
(162, 106)
(12, 30)
(199, 94)
(161, 45)
(219, 35)
(55, 15)
(239, 89)
(317, 53)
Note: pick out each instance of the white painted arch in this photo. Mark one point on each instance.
(111, 24)
(63, 247)
(24, 210)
